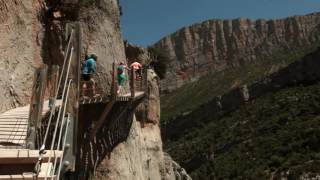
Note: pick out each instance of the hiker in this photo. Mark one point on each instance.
(89, 67)
(135, 66)
(121, 75)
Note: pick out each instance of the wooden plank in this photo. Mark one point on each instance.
(132, 83)
(13, 129)
(17, 123)
(114, 85)
(13, 142)
(12, 133)
(5, 121)
(24, 177)
(13, 119)
(53, 80)
(13, 138)
(12, 126)
(36, 106)
(25, 156)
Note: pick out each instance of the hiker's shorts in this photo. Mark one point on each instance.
(121, 79)
(86, 77)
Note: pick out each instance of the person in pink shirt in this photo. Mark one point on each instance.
(136, 66)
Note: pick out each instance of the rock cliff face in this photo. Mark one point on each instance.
(215, 45)
(19, 49)
(32, 34)
(303, 72)
(140, 156)
(298, 84)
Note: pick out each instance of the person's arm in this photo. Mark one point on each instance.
(126, 67)
(94, 70)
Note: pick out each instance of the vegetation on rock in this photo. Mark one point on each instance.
(160, 60)
(192, 95)
(276, 133)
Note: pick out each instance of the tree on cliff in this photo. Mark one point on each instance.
(159, 62)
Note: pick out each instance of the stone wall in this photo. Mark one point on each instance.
(20, 48)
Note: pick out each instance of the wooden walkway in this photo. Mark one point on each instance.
(25, 156)
(14, 125)
(105, 99)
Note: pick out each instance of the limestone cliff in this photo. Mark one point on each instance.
(215, 45)
(19, 49)
(32, 33)
(141, 156)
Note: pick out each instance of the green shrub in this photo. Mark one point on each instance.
(159, 62)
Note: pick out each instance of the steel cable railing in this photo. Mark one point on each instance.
(64, 100)
(56, 128)
(57, 92)
(52, 110)
(64, 145)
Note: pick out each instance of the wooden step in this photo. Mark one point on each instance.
(14, 119)
(25, 156)
(24, 177)
(15, 133)
(16, 129)
(15, 143)
(12, 126)
(13, 136)
(17, 123)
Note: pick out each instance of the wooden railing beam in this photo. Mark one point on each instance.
(36, 105)
(132, 83)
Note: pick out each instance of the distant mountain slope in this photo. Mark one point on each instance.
(192, 95)
(275, 134)
(214, 45)
(269, 136)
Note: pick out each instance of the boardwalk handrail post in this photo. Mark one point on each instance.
(145, 88)
(36, 105)
(54, 80)
(132, 82)
(114, 84)
(73, 100)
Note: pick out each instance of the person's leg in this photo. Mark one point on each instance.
(93, 86)
(84, 88)
(139, 74)
(119, 86)
(119, 89)
(121, 81)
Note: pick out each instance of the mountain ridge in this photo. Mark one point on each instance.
(214, 45)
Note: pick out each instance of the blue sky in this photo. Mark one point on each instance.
(146, 21)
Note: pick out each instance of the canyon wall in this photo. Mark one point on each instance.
(32, 33)
(300, 73)
(214, 45)
(20, 49)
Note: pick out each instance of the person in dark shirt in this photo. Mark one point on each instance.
(89, 68)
